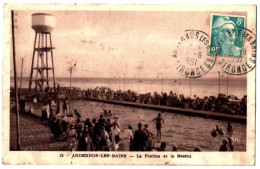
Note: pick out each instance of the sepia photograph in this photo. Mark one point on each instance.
(125, 82)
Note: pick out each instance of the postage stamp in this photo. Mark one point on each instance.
(225, 40)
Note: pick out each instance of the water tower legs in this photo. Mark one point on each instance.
(42, 45)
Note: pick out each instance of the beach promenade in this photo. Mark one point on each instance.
(35, 135)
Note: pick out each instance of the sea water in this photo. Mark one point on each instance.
(188, 87)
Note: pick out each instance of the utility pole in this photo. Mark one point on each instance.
(119, 82)
(70, 90)
(124, 81)
(190, 87)
(138, 84)
(21, 80)
(15, 86)
(162, 81)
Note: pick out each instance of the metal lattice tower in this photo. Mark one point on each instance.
(42, 68)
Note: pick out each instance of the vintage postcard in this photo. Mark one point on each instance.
(129, 84)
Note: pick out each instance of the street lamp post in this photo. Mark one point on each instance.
(138, 84)
(162, 80)
(70, 89)
(119, 82)
(124, 81)
(190, 87)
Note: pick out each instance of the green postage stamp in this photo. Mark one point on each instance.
(227, 35)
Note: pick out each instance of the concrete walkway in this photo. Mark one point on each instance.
(35, 135)
(190, 112)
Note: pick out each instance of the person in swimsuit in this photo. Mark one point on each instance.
(158, 121)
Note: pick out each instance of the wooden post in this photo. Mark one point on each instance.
(15, 86)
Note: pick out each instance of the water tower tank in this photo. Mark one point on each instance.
(42, 22)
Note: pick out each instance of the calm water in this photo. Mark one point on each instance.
(186, 131)
(200, 87)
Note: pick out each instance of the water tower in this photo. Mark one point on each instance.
(42, 68)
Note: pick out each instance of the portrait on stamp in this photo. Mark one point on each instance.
(225, 38)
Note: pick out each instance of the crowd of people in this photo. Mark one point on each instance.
(223, 104)
(104, 134)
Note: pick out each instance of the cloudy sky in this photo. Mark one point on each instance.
(111, 43)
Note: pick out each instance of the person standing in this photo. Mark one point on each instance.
(115, 131)
(140, 139)
(77, 114)
(89, 142)
(71, 140)
(85, 142)
(53, 105)
(34, 102)
(104, 142)
(78, 127)
(96, 134)
(101, 121)
(44, 112)
(58, 107)
(64, 106)
(52, 109)
(22, 105)
(117, 121)
(108, 126)
(48, 111)
(158, 121)
(149, 135)
(229, 128)
(127, 136)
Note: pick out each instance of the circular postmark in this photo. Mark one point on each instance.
(247, 61)
(192, 57)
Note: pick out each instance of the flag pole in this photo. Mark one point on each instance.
(15, 86)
